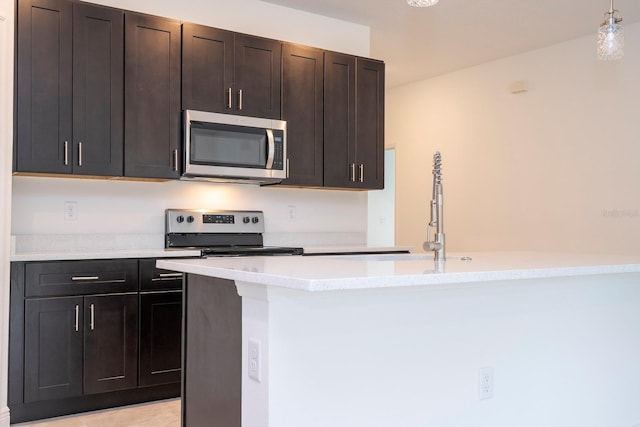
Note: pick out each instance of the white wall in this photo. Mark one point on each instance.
(381, 206)
(555, 168)
(6, 138)
(125, 207)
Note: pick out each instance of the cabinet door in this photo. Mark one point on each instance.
(302, 100)
(160, 337)
(369, 124)
(111, 343)
(44, 72)
(98, 54)
(152, 97)
(339, 120)
(53, 348)
(257, 76)
(207, 69)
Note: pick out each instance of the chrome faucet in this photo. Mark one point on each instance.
(437, 244)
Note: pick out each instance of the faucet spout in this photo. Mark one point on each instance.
(437, 245)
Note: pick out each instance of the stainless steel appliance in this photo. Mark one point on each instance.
(229, 148)
(220, 233)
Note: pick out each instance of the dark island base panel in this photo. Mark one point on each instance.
(73, 405)
(212, 366)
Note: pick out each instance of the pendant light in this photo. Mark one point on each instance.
(611, 36)
(421, 3)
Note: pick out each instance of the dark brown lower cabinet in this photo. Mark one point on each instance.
(110, 343)
(160, 337)
(57, 364)
(52, 328)
(83, 337)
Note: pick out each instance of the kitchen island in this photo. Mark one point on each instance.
(399, 340)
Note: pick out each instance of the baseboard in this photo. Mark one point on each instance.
(4, 417)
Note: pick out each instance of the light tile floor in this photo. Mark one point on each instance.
(165, 413)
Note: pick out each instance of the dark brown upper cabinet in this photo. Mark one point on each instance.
(369, 141)
(69, 88)
(302, 100)
(353, 122)
(152, 97)
(226, 72)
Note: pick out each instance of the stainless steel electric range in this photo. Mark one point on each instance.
(220, 233)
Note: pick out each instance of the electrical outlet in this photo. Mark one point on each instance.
(70, 211)
(291, 213)
(485, 383)
(254, 359)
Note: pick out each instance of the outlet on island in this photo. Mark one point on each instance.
(254, 359)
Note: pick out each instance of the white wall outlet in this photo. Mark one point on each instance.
(291, 213)
(485, 383)
(70, 211)
(254, 359)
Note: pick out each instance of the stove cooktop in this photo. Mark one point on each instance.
(220, 233)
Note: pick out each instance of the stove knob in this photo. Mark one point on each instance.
(180, 219)
(246, 220)
(190, 219)
(255, 219)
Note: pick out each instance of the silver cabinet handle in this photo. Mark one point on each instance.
(79, 153)
(361, 172)
(66, 153)
(352, 168)
(77, 309)
(240, 99)
(170, 275)
(81, 278)
(166, 276)
(175, 160)
(229, 100)
(92, 322)
(272, 149)
(287, 167)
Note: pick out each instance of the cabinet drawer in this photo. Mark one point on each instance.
(158, 279)
(80, 277)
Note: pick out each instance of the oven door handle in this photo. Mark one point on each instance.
(271, 148)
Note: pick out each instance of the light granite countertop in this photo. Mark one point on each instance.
(330, 273)
(93, 246)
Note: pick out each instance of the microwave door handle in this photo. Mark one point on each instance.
(272, 149)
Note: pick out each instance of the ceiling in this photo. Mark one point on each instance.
(417, 43)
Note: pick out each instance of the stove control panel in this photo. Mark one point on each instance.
(207, 221)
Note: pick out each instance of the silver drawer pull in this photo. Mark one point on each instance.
(80, 278)
(77, 309)
(170, 274)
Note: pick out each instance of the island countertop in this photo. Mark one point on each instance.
(331, 273)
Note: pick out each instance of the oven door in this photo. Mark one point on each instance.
(227, 146)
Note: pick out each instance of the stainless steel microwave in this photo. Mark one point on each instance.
(229, 148)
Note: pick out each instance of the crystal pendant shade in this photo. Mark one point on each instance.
(611, 36)
(610, 41)
(421, 3)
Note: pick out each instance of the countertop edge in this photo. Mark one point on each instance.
(430, 279)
